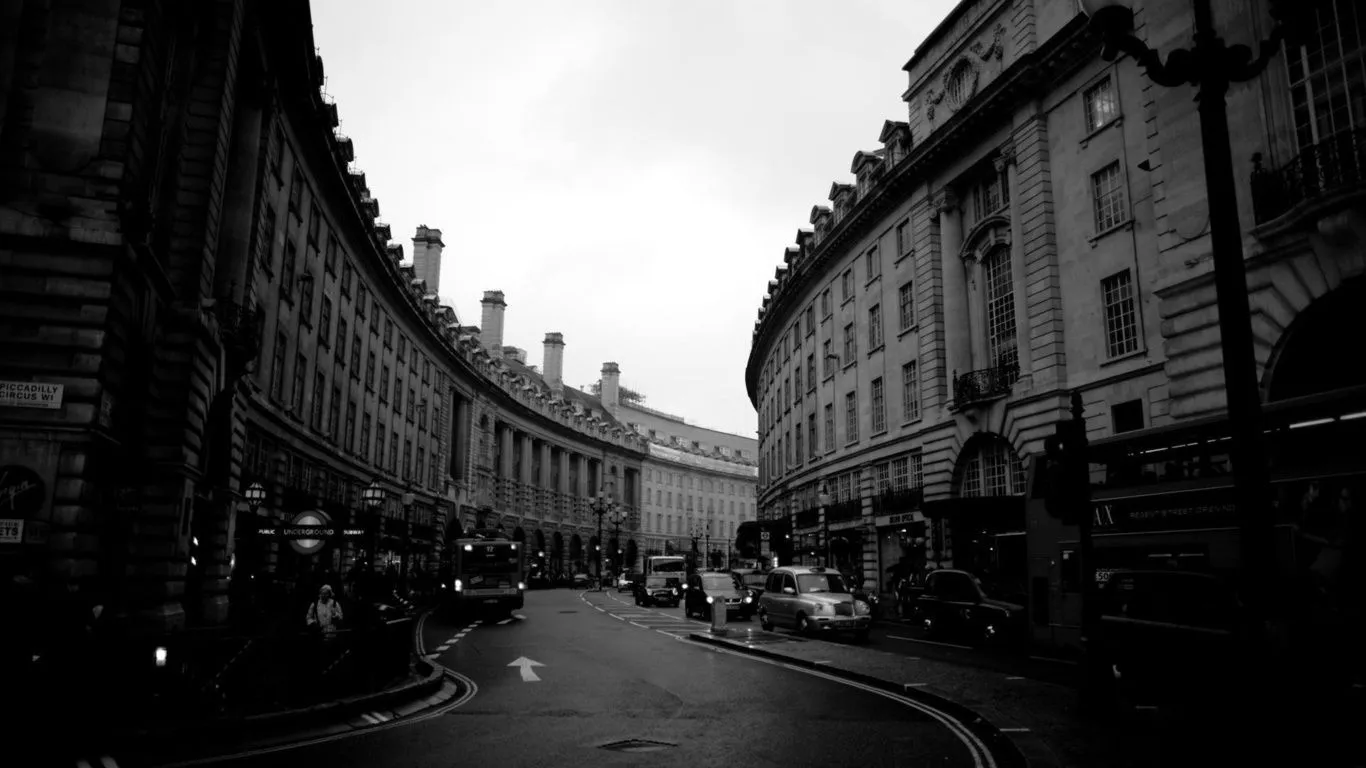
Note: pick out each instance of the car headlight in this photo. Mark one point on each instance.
(709, 600)
(521, 585)
(675, 591)
(860, 606)
(821, 608)
(459, 585)
(748, 599)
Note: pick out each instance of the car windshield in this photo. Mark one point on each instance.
(754, 580)
(658, 581)
(821, 582)
(718, 583)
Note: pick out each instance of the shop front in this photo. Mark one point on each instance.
(901, 532)
(984, 535)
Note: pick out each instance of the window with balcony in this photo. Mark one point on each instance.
(1121, 318)
(1328, 73)
(879, 407)
(910, 391)
(296, 405)
(1000, 294)
(1101, 104)
(906, 306)
(874, 327)
(1107, 195)
(850, 417)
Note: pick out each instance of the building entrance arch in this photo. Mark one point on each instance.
(1309, 357)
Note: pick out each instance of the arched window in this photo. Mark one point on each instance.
(989, 466)
(1000, 304)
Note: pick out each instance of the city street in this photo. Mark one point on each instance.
(572, 674)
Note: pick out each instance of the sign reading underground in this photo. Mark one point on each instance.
(308, 532)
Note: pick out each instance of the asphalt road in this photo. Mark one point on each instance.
(606, 672)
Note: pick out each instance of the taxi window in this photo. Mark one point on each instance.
(789, 582)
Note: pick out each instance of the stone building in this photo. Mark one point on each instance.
(205, 331)
(1037, 227)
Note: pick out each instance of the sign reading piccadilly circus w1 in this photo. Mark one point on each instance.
(30, 394)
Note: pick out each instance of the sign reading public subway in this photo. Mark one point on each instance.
(311, 532)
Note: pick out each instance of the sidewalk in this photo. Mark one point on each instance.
(1027, 723)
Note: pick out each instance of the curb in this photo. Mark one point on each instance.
(1012, 750)
(255, 726)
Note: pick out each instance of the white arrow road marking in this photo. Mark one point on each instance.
(528, 676)
(504, 621)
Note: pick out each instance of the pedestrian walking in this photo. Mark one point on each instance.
(325, 614)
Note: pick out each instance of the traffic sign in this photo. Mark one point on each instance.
(763, 535)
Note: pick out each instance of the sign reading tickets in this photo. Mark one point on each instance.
(11, 531)
(30, 394)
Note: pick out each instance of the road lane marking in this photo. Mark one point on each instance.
(1014, 677)
(1013, 730)
(822, 662)
(519, 617)
(929, 642)
(914, 685)
(504, 621)
(1055, 661)
(981, 755)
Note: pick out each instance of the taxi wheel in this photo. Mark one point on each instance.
(803, 624)
(765, 623)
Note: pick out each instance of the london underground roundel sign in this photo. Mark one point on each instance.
(310, 519)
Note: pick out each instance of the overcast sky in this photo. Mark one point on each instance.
(627, 172)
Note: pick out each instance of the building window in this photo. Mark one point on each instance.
(906, 305)
(379, 445)
(398, 394)
(296, 191)
(828, 356)
(407, 459)
(850, 417)
(1121, 320)
(364, 450)
(797, 383)
(341, 344)
(787, 390)
(825, 303)
(334, 413)
(421, 462)
(992, 470)
(306, 299)
(412, 404)
(278, 140)
(277, 368)
(355, 356)
(811, 319)
(350, 436)
(1326, 74)
(811, 372)
(847, 285)
(986, 197)
(374, 318)
(850, 345)
(319, 392)
(1101, 105)
(361, 296)
(1107, 190)
(347, 275)
(393, 451)
(389, 333)
(910, 391)
(384, 385)
(325, 323)
(874, 327)
(265, 254)
(369, 369)
(829, 427)
(903, 238)
(811, 434)
(1127, 416)
(1001, 348)
(872, 263)
(879, 407)
(314, 225)
(287, 269)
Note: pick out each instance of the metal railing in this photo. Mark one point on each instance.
(842, 511)
(1336, 164)
(903, 500)
(984, 384)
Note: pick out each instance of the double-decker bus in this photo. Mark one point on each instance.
(488, 574)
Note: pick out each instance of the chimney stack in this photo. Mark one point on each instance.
(553, 362)
(611, 382)
(491, 325)
(427, 247)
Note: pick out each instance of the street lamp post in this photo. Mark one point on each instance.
(407, 538)
(823, 498)
(694, 532)
(373, 498)
(601, 506)
(1211, 66)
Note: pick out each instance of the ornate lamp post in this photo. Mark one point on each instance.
(823, 498)
(373, 499)
(1211, 66)
(255, 496)
(601, 506)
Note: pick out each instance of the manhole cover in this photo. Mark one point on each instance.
(637, 745)
(568, 611)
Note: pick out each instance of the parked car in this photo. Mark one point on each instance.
(753, 580)
(868, 593)
(582, 581)
(658, 590)
(954, 604)
(812, 599)
(1168, 634)
(713, 588)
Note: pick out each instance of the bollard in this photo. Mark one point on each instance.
(718, 617)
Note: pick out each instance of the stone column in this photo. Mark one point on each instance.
(1017, 257)
(956, 332)
(547, 456)
(528, 467)
(505, 448)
